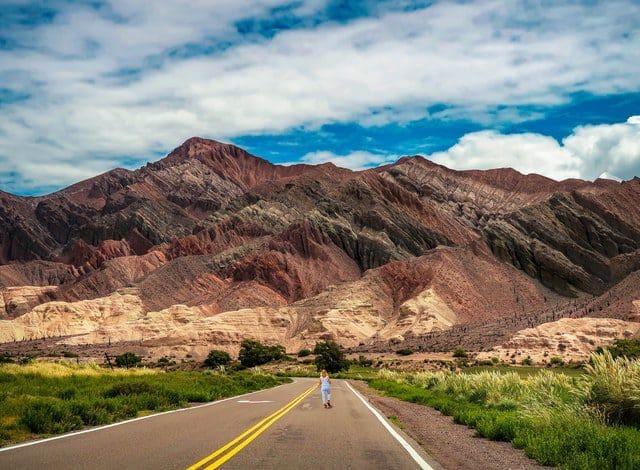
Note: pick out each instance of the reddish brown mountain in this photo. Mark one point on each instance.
(211, 225)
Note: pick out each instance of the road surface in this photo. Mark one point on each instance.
(285, 427)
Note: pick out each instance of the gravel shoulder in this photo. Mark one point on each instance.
(452, 445)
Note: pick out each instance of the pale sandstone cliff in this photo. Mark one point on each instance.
(572, 339)
(16, 301)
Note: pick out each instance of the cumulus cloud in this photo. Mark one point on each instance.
(587, 153)
(358, 160)
(94, 85)
(527, 153)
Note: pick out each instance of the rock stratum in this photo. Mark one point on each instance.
(212, 245)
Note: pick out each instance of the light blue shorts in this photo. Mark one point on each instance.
(326, 396)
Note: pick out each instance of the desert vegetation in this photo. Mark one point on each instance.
(253, 353)
(589, 420)
(45, 398)
(330, 356)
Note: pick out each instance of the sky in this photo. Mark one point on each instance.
(548, 87)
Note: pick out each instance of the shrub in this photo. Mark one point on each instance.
(69, 354)
(50, 416)
(253, 353)
(615, 388)
(364, 362)
(629, 348)
(217, 358)
(330, 356)
(304, 352)
(127, 360)
(459, 352)
(5, 358)
(404, 352)
(556, 361)
(527, 361)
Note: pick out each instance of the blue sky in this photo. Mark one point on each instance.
(545, 87)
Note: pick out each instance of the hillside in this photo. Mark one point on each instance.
(211, 245)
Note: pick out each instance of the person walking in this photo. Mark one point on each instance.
(325, 388)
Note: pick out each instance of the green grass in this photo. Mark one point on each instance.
(525, 371)
(43, 398)
(567, 421)
(396, 421)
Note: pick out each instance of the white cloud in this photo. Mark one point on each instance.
(527, 153)
(588, 152)
(470, 56)
(358, 160)
(634, 120)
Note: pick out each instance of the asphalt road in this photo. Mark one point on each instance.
(285, 427)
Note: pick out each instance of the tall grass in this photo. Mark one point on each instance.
(581, 422)
(48, 398)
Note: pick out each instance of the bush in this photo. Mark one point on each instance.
(556, 361)
(5, 358)
(404, 352)
(69, 354)
(127, 360)
(364, 362)
(629, 348)
(459, 352)
(330, 356)
(527, 361)
(50, 416)
(615, 388)
(304, 352)
(253, 353)
(217, 358)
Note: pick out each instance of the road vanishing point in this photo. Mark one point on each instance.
(285, 427)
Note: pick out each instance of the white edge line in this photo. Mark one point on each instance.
(120, 423)
(412, 452)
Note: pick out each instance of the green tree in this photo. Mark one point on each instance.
(254, 353)
(217, 358)
(330, 356)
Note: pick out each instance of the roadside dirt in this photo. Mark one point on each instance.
(453, 446)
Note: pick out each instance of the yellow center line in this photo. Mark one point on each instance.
(250, 434)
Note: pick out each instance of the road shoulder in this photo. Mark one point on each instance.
(453, 446)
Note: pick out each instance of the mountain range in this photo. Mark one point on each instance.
(211, 245)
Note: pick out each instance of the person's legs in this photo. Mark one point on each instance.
(324, 399)
(329, 399)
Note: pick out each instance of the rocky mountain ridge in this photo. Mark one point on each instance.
(211, 228)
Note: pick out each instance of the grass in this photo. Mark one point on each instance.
(583, 421)
(41, 398)
(396, 421)
(525, 371)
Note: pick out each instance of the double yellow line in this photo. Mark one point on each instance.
(244, 439)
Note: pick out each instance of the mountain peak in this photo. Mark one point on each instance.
(608, 176)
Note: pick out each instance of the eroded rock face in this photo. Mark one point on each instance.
(572, 339)
(585, 240)
(58, 318)
(394, 253)
(16, 301)
(370, 308)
